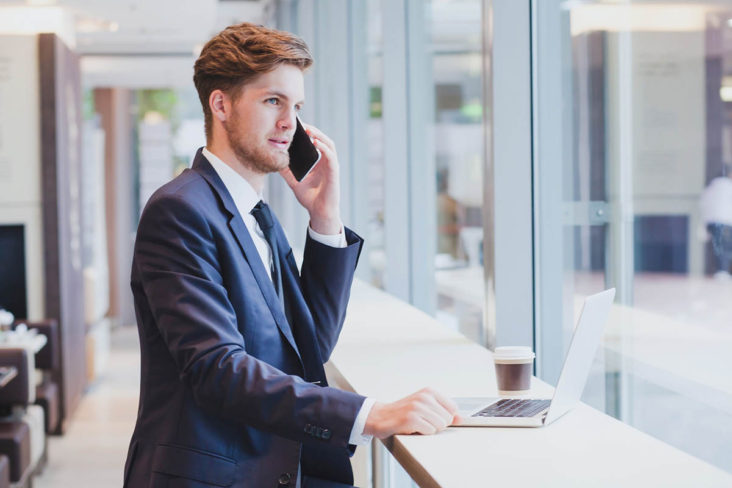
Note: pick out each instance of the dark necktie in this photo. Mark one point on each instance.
(263, 216)
(304, 338)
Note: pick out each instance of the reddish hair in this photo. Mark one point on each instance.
(239, 54)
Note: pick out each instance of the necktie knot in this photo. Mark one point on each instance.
(263, 216)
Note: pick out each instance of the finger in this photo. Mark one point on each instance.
(435, 408)
(435, 415)
(326, 152)
(422, 426)
(315, 132)
(446, 402)
(434, 401)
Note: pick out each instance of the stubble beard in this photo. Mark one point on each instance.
(253, 155)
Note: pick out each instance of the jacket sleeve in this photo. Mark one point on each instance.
(326, 278)
(177, 266)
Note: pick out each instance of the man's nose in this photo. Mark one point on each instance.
(287, 121)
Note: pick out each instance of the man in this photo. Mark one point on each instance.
(233, 338)
(716, 212)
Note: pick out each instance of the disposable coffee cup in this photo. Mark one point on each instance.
(514, 365)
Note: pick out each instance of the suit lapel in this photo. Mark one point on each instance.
(241, 234)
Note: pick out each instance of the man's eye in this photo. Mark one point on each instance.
(272, 101)
(298, 108)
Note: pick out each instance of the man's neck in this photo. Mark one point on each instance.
(225, 154)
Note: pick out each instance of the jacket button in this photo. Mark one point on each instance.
(326, 434)
(284, 479)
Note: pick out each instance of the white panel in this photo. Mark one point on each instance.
(19, 121)
(137, 71)
(23, 20)
(665, 64)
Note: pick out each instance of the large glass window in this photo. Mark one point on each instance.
(633, 124)
(457, 70)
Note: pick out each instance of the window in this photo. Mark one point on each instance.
(633, 126)
(457, 135)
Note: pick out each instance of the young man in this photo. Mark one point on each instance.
(233, 338)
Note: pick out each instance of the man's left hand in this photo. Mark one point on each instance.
(319, 191)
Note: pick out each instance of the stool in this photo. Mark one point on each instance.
(47, 398)
(15, 444)
(4, 471)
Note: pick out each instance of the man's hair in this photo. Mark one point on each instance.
(239, 54)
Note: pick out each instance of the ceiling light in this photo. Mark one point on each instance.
(88, 25)
(725, 93)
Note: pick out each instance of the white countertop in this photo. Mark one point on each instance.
(389, 349)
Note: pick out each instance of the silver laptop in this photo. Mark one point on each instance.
(520, 412)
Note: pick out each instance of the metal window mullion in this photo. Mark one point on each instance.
(358, 158)
(396, 154)
(421, 158)
(512, 230)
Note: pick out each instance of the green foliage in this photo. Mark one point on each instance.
(163, 101)
(87, 102)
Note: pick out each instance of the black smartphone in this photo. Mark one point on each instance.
(303, 154)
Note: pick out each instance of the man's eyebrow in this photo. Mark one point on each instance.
(282, 95)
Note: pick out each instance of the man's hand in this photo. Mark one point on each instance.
(319, 191)
(424, 412)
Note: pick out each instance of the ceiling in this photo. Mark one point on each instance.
(147, 26)
(138, 43)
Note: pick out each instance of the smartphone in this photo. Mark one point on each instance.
(303, 154)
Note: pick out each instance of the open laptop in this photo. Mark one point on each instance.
(519, 412)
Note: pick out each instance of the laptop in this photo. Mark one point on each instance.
(520, 412)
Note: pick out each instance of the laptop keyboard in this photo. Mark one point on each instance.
(513, 408)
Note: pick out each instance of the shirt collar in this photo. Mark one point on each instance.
(243, 193)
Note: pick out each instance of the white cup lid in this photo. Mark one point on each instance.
(513, 353)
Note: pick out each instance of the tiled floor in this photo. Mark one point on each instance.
(92, 452)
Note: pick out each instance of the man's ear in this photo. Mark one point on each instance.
(218, 102)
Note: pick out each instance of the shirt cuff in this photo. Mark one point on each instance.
(333, 240)
(357, 436)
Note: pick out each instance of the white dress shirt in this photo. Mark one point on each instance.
(245, 198)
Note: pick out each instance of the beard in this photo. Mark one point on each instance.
(252, 153)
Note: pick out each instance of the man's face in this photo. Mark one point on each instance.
(262, 123)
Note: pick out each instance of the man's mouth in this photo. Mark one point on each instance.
(281, 143)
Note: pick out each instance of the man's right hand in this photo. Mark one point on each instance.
(423, 412)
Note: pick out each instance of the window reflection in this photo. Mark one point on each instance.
(646, 139)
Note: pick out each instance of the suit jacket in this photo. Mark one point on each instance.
(232, 383)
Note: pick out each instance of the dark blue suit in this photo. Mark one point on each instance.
(229, 390)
